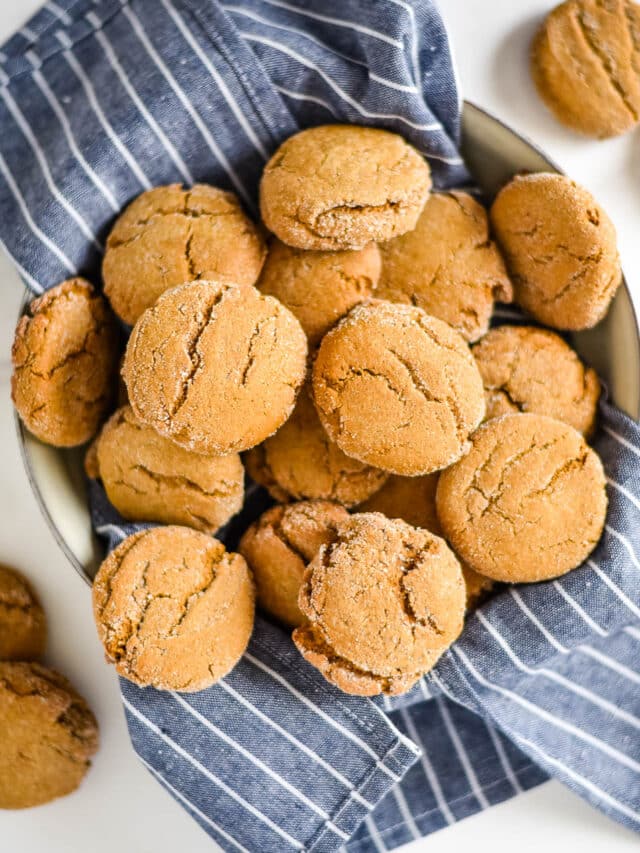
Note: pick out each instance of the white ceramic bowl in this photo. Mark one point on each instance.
(493, 153)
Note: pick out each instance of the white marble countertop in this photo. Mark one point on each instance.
(119, 806)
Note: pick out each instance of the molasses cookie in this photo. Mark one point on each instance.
(23, 627)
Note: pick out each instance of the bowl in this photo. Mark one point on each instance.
(493, 153)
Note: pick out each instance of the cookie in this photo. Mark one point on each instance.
(23, 627)
(90, 461)
(48, 736)
(170, 235)
(149, 478)
(525, 369)
(215, 367)
(397, 389)
(584, 63)
(383, 601)
(342, 186)
(279, 546)
(65, 354)
(478, 587)
(256, 466)
(447, 265)
(527, 503)
(173, 609)
(560, 247)
(302, 462)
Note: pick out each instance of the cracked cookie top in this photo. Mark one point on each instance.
(174, 610)
(525, 369)
(584, 62)
(23, 627)
(397, 388)
(301, 461)
(150, 478)
(215, 367)
(383, 601)
(170, 235)
(279, 546)
(65, 354)
(560, 247)
(48, 736)
(447, 265)
(319, 287)
(527, 503)
(343, 186)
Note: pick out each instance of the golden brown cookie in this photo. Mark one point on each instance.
(173, 609)
(397, 389)
(149, 478)
(527, 503)
(255, 464)
(413, 499)
(560, 247)
(383, 601)
(340, 187)
(319, 287)
(48, 736)
(447, 265)
(279, 546)
(584, 62)
(302, 462)
(215, 367)
(170, 235)
(64, 360)
(525, 369)
(23, 627)
(478, 587)
(90, 461)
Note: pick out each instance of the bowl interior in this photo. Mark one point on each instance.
(493, 153)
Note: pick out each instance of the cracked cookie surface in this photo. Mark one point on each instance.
(279, 546)
(174, 610)
(170, 235)
(525, 369)
(48, 736)
(341, 187)
(584, 62)
(23, 627)
(527, 503)
(560, 247)
(397, 388)
(319, 287)
(447, 265)
(149, 478)
(383, 601)
(65, 354)
(300, 461)
(215, 367)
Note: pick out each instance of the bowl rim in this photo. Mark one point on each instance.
(28, 295)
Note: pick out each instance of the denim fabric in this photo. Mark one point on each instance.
(101, 100)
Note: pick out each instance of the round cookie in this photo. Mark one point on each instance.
(279, 546)
(584, 63)
(342, 186)
(215, 367)
(48, 736)
(383, 601)
(170, 235)
(256, 466)
(149, 478)
(560, 247)
(319, 287)
(397, 389)
(447, 265)
(527, 503)
(525, 369)
(303, 462)
(23, 627)
(173, 609)
(65, 354)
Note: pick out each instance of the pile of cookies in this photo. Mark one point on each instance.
(47, 730)
(415, 457)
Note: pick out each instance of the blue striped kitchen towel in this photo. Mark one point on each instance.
(101, 100)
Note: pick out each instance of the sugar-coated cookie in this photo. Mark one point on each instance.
(23, 627)
(341, 186)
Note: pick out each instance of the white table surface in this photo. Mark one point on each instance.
(119, 806)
